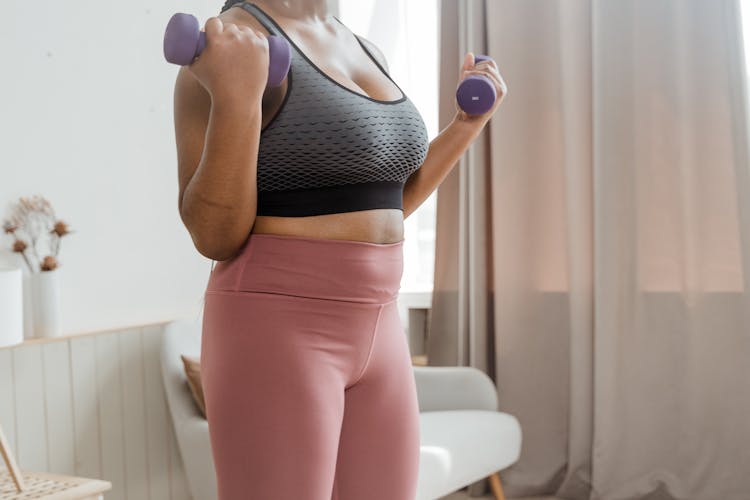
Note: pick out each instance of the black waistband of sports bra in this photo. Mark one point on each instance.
(331, 199)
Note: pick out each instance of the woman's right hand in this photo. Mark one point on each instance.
(235, 61)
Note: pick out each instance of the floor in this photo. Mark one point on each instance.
(461, 495)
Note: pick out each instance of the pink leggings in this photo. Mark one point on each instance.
(310, 393)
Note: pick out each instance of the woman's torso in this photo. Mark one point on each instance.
(379, 225)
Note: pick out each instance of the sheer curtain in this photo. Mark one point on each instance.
(593, 248)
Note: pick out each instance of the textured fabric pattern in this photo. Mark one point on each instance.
(327, 135)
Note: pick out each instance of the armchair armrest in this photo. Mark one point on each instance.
(454, 388)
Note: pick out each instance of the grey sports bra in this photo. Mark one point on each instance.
(330, 149)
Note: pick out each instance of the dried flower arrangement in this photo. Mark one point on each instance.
(31, 222)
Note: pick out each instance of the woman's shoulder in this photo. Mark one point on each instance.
(237, 15)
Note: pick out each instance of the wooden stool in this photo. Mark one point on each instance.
(45, 486)
(18, 485)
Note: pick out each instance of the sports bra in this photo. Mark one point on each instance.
(329, 149)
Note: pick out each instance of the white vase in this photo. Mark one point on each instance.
(11, 306)
(45, 297)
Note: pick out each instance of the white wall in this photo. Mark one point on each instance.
(86, 120)
(94, 406)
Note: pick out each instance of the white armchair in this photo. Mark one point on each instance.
(463, 436)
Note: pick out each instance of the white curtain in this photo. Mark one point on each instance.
(614, 301)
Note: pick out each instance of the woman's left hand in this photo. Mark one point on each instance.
(486, 68)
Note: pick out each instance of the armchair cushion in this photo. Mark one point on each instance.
(454, 388)
(193, 373)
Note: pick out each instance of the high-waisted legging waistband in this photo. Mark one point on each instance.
(334, 269)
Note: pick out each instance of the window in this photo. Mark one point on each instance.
(406, 32)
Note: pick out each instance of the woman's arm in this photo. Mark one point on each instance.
(444, 152)
(218, 117)
(217, 150)
(448, 147)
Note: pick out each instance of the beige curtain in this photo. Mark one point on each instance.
(593, 252)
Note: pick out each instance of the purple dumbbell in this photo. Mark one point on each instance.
(184, 41)
(476, 94)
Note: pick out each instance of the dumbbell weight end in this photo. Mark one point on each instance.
(476, 94)
(184, 41)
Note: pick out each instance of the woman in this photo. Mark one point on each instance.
(300, 192)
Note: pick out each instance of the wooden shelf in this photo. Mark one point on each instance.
(74, 335)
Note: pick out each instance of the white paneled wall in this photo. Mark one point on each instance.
(93, 406)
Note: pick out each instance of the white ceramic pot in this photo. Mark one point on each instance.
(45, 296)
(11, 306)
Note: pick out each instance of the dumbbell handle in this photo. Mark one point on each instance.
(476, 94)
(184, 41)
